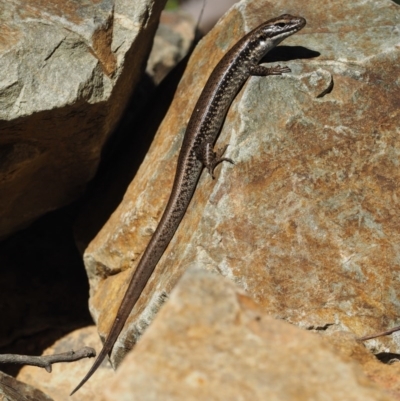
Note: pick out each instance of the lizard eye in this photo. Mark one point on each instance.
(281, 24)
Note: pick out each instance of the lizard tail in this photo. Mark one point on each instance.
(97, 363)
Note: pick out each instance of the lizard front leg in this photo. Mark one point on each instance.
(210, 159)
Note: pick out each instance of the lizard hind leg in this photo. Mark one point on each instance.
(211, 159)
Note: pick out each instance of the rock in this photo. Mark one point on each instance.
(172, 41)
(65, 376)
(306, 220)
(14, 390)
(67, 71)
(211, 342)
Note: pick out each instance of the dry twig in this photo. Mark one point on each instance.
(47, 360)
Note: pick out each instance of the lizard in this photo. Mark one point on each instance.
(225, 81)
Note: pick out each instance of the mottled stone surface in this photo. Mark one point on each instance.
(65, 376)
(67, 70)
(307, 220)
(211, 342)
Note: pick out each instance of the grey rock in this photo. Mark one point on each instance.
(67, 70)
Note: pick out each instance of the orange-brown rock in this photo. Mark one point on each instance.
(211, 342)
(307, 220)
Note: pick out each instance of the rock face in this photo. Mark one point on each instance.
(67, 70)
(211, 342)
(307, 220)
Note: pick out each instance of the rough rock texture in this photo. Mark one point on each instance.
(211, 342)
(67, 70)
(65, 376)
(14, 390)
(307, 220)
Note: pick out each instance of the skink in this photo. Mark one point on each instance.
(238, 64)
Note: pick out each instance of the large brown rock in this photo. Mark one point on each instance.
(67, 70)
(211, 342)
(307, 220)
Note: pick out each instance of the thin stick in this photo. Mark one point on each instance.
(46, 360)
(201, 15)
(383, 333)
